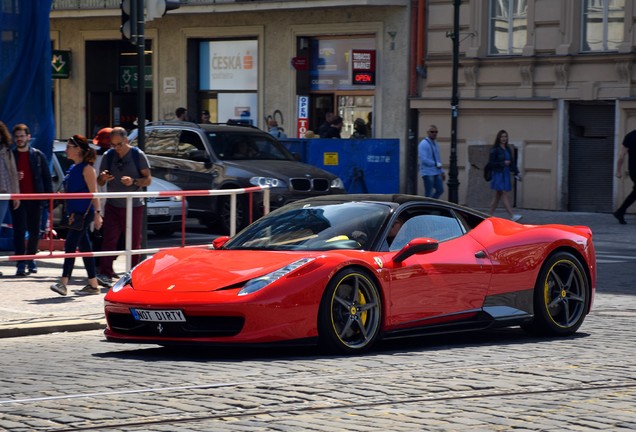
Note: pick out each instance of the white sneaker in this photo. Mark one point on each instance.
(59, 288)
(516, 217)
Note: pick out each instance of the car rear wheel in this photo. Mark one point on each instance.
(350, 312)
(561, 296)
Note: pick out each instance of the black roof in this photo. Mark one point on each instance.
(397, 199)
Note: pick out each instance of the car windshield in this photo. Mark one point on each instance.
(246, 146)
(350, 225)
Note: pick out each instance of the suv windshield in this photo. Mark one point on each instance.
(239, 146)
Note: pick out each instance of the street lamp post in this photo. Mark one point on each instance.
(141, 77)
(453, 182)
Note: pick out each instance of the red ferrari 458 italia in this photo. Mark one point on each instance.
(345, 271)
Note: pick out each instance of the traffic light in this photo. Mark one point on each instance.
(158, 8)
(129, 20)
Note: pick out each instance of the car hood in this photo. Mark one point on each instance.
(158, 185)
(201, 270)
(280, 169)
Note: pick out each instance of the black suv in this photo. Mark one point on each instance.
(223, 156)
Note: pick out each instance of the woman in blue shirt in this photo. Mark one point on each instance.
(81, 178)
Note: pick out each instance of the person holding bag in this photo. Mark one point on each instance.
(81, 178)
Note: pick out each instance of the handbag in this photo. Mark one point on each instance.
(74, 221)
(488, 172)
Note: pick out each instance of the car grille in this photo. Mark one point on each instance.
(195, 326)
(308, 184)
(158, 199)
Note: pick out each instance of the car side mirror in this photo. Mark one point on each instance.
(417, 246)
(218, 242)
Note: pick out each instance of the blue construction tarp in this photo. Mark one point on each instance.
(365, 166)
(25, 72)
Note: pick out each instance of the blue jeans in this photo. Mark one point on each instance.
(433, 185)
(4, 207)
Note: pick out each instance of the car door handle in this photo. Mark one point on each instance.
(480, 254)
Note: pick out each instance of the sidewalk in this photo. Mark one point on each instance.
(29, 307)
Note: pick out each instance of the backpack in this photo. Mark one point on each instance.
(488, 172)
(110, 155)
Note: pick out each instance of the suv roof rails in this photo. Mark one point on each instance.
(239, 122)
(173, 123)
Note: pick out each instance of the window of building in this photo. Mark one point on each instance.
(603, 23)
(508, 26)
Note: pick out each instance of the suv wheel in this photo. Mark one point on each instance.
(241, 213)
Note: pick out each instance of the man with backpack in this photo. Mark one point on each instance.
(123, 168)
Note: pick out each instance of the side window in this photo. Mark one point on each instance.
(436, 224)
(468, 220)
(191, 147)
(163, 142)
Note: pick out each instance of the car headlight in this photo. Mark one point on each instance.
(256, 284)
(337, 183)
(176, 198)
(267, 182)
(122, 282)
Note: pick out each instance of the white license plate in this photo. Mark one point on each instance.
(172, 315)
(154, 211)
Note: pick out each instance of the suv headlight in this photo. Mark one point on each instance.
(337, 183)
(267, 182)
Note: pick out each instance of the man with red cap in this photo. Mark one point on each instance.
(102, 140)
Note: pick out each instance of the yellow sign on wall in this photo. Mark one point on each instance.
(330, 158)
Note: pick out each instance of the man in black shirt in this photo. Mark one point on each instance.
(629, 149)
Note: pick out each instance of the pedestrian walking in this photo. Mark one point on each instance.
(628, 149)
(503, 165)
(81, 178)
(181, 114)
(123, 168)
(431, 169)
(324, 127)
(275, 130)
(9, 183)
(34, 176)
(334, 129)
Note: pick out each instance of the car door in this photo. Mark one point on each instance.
(180, 157)
(438, 285)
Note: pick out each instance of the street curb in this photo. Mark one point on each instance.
(9, 330)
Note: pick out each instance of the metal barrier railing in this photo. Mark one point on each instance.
(128, 252)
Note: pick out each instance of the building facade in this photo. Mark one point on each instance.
(556, 74)
(288, 60)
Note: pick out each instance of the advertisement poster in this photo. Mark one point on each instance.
(229, 65)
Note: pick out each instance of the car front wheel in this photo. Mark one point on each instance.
(350, 312)
(561, 296)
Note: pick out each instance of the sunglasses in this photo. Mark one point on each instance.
(72, 143)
